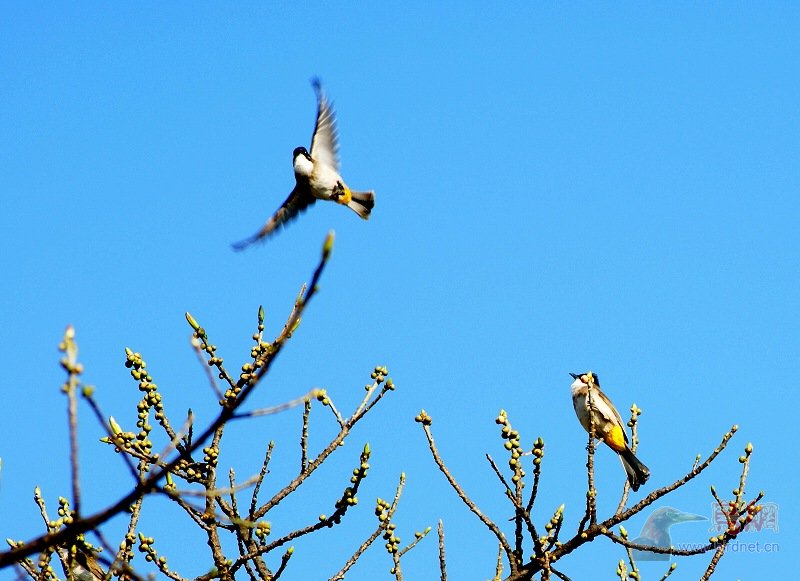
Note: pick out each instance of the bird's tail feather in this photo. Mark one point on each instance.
(362, 203)
(637, 472)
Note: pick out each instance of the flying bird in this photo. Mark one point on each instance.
(608, 425)
(316, 175)
(655, 532)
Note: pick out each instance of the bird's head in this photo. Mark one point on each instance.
(583, 379)
(302, 162)
(300, 151)
(666, 516)
(655, 530)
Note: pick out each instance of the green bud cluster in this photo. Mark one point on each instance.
(70, 347)
(392, 541)
(150, 555)
(45, 566)
(128, 441)
(512, 444)
(349, 497)
(261, 350)
(379, 374)
(361, 472)
(382, 509)
(752, 510)
(748, 450)
(211, 454)
(145, 543)
(247, 375)
(322, 396)
(263, 528)
(66, 516)
(555, 521)
(150, 400)
(423, 418)
(538, 451)
(196, 472)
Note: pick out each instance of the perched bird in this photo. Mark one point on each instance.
(608, 425)
(80, 562)
(655, 532)
(316, 174)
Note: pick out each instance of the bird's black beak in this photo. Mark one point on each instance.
(574, 376)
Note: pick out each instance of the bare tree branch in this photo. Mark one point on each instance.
(424, 419)
(90, 522)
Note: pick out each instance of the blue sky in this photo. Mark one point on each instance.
(559, 188)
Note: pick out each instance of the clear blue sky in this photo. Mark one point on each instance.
(558, 189)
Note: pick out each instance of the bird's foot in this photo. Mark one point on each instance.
(341, 194)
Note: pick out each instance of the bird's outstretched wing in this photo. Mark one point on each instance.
(324, 145)
(297, 202)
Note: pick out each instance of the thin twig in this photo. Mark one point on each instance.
(538, 456)
(633, 423)
(498, 570)
(348, 499)
(116, 565)
(631, 560)
(463, 496)
(268, 411)
(304, 436)
(442, 560)
(670, 571)
(39, 500)
(159, 562)
(125, 553)
(397, 569)
(261, 475)
(232, 492)
(519, 512)
(417, 539)
(73, 369)
(590, 515)
(360, 412)
(234, 514)
(503, 481)
(103, 422)
(212, 381)
(28, 567)
(175, 441)
(556, 521)
(335, 412)
(659, 550)
(217, 492)
(284, 561)
(559, 574)
(382, 526)
(194, 512)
